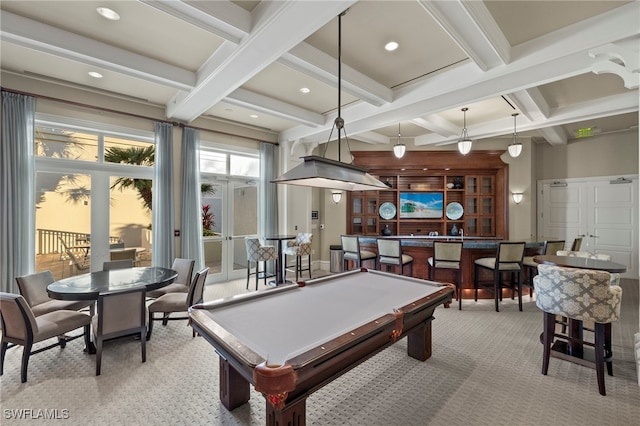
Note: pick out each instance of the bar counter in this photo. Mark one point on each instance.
(420, 247)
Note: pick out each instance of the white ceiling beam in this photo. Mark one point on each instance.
(535, 64)
(257, 102)
(530, 103)
(276, 29)
(554, 135)
(45, 38)
(472, 27)
(436, 124)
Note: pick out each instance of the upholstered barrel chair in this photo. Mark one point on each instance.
(299, 247)
(580, 295)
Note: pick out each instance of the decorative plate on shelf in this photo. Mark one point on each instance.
(454, 211)
(387, 211)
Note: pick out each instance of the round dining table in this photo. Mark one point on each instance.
(90, 286)
(581, 263)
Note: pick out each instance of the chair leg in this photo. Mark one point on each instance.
(607, 348)
(599, 352)
(3, 352)
(309, 265)
(143, 342)
(497, 287)
(150, 328)
(98, 355)
(248, 272)
(475, 283)
(25, 362)
(547, 339)
(87, 337)
(459, 289)
(520, 291)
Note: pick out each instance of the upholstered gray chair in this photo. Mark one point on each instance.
(352, 251)
(117, 264)
(508, 259)
(586, 254)
(33, 288)
(178, 302)
(184, 268)
(447, 255)
(531, 267)
(21, 327)
(258, 253)
(390, 254)
(299, 247)
(579, 295)
(120, 314)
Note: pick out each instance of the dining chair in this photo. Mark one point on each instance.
(178, 302)
(508, 259)
(121, 313)
(531, 267)
(299, 247)
(352, 252)
(258, 253)
(184, 268)
(580, 295)
(33, 288)
(447, 255)
(390, 254)
(21, 327)
(117, 264)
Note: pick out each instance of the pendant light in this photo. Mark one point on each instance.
(321, 172)
(464, 143)
(516, 147)
(399, 148)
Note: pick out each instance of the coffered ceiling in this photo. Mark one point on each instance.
(562, 65)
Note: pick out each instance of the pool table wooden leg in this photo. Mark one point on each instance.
(419, 342)
(234, 389)
(293, 414)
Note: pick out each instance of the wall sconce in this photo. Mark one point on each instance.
(517, 197)
(336, 196)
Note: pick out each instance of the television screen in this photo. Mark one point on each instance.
(421, 205)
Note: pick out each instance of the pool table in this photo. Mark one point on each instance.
(290, 341)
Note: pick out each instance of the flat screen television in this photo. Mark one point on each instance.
(421, 205)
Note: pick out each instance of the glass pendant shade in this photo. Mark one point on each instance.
(464, 143)
(516, 147)
(399, 148)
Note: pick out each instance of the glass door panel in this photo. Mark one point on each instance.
(63, 223)
(243, 221)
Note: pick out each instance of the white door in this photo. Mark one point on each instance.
(603, 210)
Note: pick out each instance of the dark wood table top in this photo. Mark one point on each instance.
(581, 263)
(90, 286)
(280, 237)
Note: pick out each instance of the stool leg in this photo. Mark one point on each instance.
(599, 350)
(459, 289)
(248, 272)
(547, 340)
(497, 287)
(475, 283)
(607, 348)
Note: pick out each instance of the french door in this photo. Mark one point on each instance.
(603, 211)
(233, 205)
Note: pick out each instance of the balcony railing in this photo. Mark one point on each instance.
(47, 240)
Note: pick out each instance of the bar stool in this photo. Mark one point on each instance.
(580, 295)
(447, 255)
(508, 259)
(257, 253)
(301, 246)
(390, 253)
(352, 251)
(531, 267)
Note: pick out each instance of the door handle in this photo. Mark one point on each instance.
(593, 236)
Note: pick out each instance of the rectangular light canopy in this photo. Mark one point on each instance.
(320, 172)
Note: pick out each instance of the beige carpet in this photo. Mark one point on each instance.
(485, 370)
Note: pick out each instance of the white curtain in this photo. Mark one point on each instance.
(191, 223)
(268, 193)
(17, 175)
(163, 221)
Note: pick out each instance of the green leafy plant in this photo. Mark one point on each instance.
(207, 221)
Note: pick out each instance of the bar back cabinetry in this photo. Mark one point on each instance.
(476, 182)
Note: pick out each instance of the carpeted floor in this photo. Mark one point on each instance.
(485, 370)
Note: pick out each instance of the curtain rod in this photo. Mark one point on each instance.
(130, 114)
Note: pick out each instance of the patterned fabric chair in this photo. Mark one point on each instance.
(257, 253)
(299, 247)
(33, 288)
(508, 259)
(447, 255)
(21, 327)
(531, 267)
(352, 251)
(390, 253)
(579, 295)
(588, 255)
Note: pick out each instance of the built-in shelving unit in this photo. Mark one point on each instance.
(477, 182)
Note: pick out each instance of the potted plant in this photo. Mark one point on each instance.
(207, 221)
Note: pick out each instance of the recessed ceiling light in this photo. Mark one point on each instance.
(95, 74)
(391, 46)
(110, 14)
(305, 90)
(254, 116)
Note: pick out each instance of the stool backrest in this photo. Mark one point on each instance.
(510, 252)
(581, 294)
(448, 251)
(552, 247)
(389, 248)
